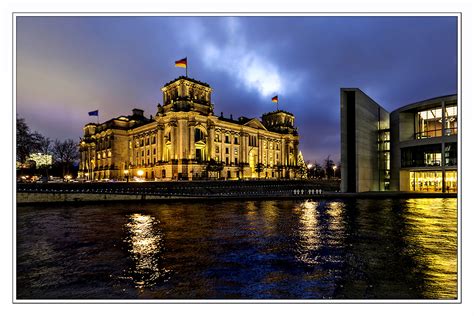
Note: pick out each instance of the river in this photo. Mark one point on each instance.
(278, 249)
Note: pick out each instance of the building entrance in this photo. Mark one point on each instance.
(432, 181)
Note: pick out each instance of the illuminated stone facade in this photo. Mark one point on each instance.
(186, 141)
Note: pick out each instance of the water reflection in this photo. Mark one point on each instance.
(309, 233)
(145, 247)
(282, 249)
(431, 238)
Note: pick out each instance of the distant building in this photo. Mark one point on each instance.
(185, 137)
(411, 149)
(41, 160)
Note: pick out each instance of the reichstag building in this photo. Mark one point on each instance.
(186, 141)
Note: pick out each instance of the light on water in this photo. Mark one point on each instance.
(432, 238)
(145, 247)
(372, 249)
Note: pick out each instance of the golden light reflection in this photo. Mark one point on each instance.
(146, 245)
(431, 235)
(336, 223)
(251, 213)
(309, 232)
(335, 211)
(270, 215)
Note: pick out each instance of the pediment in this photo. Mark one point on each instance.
(255, 123)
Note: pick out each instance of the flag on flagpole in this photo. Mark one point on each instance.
(182, 63)
(275, 99)
(94, 113)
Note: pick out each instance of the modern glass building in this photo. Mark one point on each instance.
(411, 149)
(424, 139)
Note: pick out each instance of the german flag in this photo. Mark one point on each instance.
(275, 99)
(181, 63)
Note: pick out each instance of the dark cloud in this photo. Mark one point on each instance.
(67, 66)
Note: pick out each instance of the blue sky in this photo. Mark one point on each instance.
(68, 66)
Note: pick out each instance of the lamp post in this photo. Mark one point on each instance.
(334, 168)
(125, 172)
(140, 173)
(310, 167)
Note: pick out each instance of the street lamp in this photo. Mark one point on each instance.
(334, 168)
(310, 170)
(140, 173)
(125, 172)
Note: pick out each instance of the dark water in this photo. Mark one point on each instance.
(372, 249)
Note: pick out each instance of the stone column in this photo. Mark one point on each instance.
(243, 148)
(268, 152)
(231, 157)
(179, 140)
(211, 133)
(159, 142)
(192, 147)
(174, 142)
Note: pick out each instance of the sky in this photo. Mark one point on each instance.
(68, 66)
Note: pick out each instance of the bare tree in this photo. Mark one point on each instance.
(328, 167)
(65, 153)
(44, 145)
(26, 141)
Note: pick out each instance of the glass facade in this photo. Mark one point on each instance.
(450, 154)
(451, 181)
(432, 181)
(429, 123)
(451, 117)
(421, 156)
(384, 158)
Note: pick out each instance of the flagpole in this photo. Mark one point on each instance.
(186, 66)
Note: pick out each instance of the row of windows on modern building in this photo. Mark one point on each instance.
(428, 123)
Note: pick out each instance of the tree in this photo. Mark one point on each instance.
(65, 153)
(301, 168)
(214, 166)
(338, 170)
(241, 169)
(329, 167)
(26, 141)
(259, 168)
(44, 145)
(318, 171)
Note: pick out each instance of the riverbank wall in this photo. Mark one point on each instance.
(33, 193)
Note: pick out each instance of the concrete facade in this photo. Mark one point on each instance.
(361, 120)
